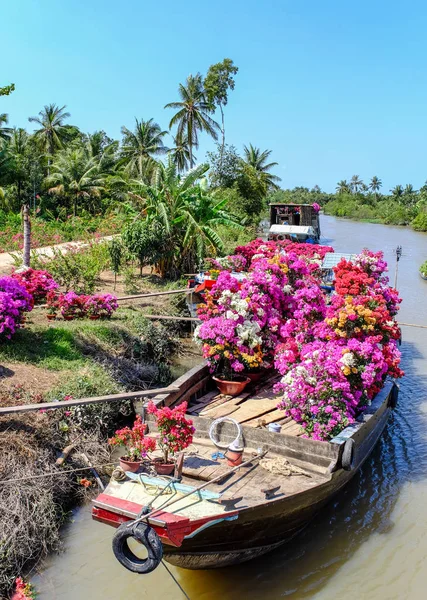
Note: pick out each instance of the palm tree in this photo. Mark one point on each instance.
(76, 175)
(343, 187)
(397, 191)
(52, 132)
(18, 150)
(409, 190)
(139, 147)
(257, 159)
(375, 184)
(180, 154)
(355, 183)
(193, 114)
(5, 132)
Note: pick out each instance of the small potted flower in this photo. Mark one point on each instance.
(136, 443)
(175, 434)
(101, 306)
(53, 304)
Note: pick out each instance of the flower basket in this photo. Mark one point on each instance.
(231, 387)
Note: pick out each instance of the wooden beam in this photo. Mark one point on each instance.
(169, 318)
(84, 401)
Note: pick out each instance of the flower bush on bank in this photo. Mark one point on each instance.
(37, 282)
(333, 353)
(77, 306)
(14, 301)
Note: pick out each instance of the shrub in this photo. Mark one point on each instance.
(78, 268)
(14, 301)
(38, 283)
(420, 222)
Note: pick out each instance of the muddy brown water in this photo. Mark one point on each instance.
(369, 542)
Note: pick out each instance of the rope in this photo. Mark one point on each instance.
(175, 580)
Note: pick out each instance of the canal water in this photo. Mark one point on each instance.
(370, 542)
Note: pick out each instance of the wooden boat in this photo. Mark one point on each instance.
(255, 508)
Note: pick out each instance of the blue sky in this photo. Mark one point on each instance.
(334, 88)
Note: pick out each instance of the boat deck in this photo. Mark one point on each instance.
(256, 407)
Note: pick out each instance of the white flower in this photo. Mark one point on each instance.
(348, 360)
(287, 289)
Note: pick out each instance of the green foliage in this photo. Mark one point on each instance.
(146, 240)
(116, 252)
(224, 166)
(420, 222)
(6, 90)
(423, 268)
(77, 269)
(232, 237)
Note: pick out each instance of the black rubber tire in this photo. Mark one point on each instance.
(394, 395)
(347, 459)
(146, 536)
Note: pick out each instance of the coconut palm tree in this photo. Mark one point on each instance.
(180, 154)
(397, 191)
(52, 132)
(5, 132)
(75, 176)
(193, 114)
(343, 187)
(18, 150)
(258, 160)
(355, 183)
(140, 146)
(375, 184)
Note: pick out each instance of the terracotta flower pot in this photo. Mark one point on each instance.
(68, 317)
(129, 465)
(163, 468)
(231, 388)
(254, 376)
(51, 317)
(94, 317)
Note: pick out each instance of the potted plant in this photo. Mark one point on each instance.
(53, 305)
(136, 443)
(100, 306)
(175, 434)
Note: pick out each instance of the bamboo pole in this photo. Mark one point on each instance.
(84, 401)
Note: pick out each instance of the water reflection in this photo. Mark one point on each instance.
(369, 543)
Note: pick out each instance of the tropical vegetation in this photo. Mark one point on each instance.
(172, 211)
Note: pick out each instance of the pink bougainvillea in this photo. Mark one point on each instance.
(333, 352)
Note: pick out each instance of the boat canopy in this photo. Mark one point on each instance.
(292, 229)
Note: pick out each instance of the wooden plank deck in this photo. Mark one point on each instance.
(256, 407)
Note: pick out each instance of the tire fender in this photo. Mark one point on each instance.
(347, 459)
(146, 536)
(394, 394)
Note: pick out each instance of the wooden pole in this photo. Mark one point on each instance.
(83, 401)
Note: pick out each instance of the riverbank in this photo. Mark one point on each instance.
(55, 360)
(385, 211)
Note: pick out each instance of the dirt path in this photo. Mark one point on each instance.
(7, 262)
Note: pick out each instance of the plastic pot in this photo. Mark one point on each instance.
(231, 388)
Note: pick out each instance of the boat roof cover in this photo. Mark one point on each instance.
(333, 258)
(296, 229)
